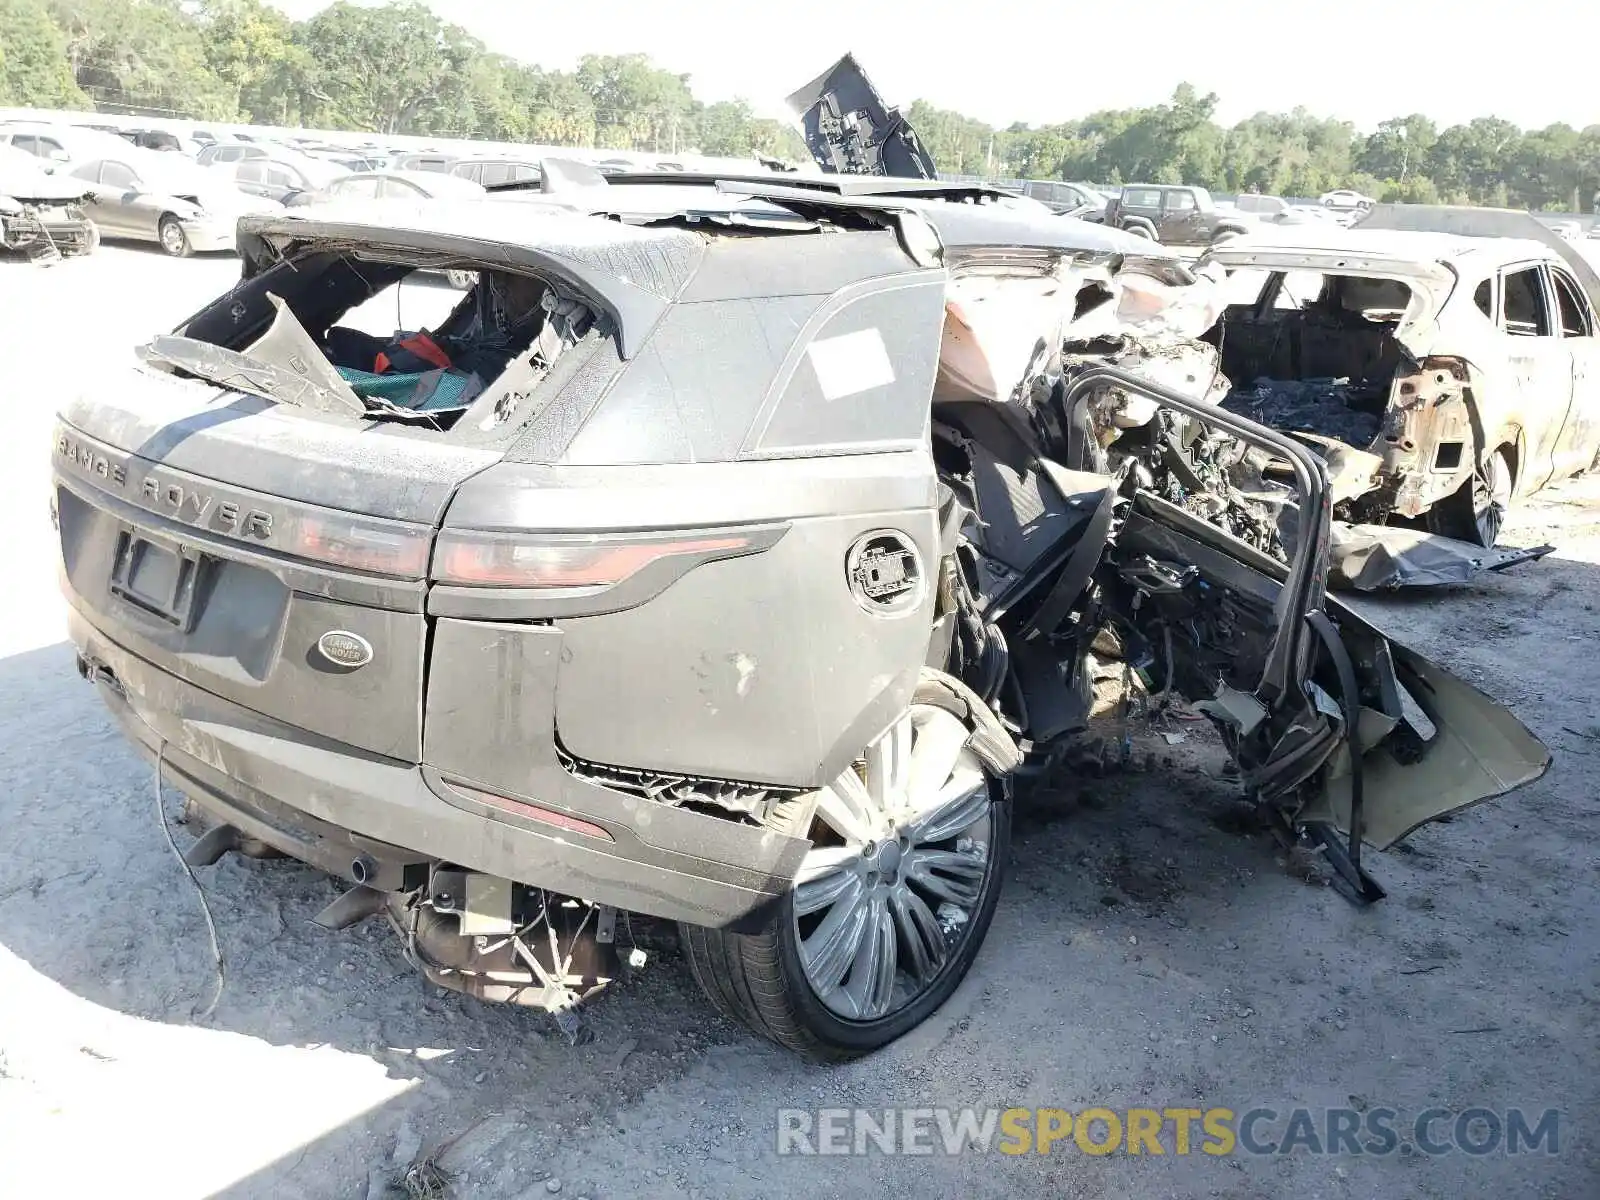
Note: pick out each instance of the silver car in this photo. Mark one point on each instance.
(147, 196)
(283, 178)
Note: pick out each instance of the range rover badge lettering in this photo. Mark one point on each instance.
(345, 649)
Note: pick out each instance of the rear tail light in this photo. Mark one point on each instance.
(476, 559)
(533, 812)
(360, 544)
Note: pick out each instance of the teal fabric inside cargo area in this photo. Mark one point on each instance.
(447, 391)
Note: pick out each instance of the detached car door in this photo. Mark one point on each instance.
(1214, 583)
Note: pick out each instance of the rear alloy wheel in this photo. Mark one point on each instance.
(173, 239)
(1477, 512)
(891, 903)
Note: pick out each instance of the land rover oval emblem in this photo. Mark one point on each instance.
(345, 649)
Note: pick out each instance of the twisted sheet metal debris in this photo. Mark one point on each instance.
(1373, 558)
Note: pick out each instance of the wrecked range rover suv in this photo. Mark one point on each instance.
(738, 597)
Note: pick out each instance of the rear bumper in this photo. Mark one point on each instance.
(330, 805)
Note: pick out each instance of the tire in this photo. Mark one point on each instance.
(1476, 512)
(1143, 231)
(761, 979)
(1224, 234)
(172, 238)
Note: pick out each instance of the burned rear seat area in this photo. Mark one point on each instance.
(1323, 364)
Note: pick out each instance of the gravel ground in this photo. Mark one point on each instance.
(1152, 948)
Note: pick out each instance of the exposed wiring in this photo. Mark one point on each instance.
(205, 905)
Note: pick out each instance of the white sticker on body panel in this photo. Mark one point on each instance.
(850, 363)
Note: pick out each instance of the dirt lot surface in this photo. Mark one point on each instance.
(1153, 947)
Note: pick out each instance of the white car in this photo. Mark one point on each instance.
(1345, 200)
(400, 185)
(1442, 375)
(40, 211)
(1275, 210)
(394, 185)
(58, 146)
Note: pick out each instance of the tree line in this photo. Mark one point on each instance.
(392, 69)
(400, 69)
(1487, 161)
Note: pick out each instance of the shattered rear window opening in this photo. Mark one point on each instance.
(359, 331)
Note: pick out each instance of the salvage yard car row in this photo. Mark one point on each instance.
(143, 184)
(739, 544)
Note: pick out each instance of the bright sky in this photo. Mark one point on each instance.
(1040, 61)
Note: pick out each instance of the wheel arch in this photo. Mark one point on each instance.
(1513, 440)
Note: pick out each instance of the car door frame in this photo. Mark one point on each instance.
(1578, 441)
(349, 187)
(293, 180)
(109, 210)
(1522, 407)
(54, 159)
(1184, 229)
(408, 190)
(250, 187)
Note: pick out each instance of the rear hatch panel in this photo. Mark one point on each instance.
(231, 586)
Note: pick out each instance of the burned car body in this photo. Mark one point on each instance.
(1442, 375)
(736, 598)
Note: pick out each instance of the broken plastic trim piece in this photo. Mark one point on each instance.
(241, 372)
(287, 347)
(850, 130)
(1478, 751)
